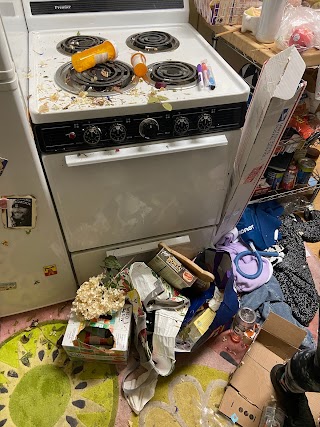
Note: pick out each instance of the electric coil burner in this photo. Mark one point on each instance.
(102, 80)
(174, 74)
(79, 43)
(152, 42)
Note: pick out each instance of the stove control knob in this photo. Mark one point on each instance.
(181, 125)
(204, 122)
(71, 135)
(118, 132)
(149, 128)
(92, 135)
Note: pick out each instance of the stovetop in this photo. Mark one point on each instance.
(49, 103)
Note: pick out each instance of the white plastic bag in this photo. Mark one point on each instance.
(300, 26)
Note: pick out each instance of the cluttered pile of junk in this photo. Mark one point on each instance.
(255, 283)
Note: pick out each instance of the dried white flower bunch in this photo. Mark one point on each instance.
(93, 299)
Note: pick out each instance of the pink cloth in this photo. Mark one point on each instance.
(248, 264)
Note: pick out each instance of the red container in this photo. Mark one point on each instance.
(289, 179)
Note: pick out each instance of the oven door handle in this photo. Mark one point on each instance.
(146, 247)
(138, 152)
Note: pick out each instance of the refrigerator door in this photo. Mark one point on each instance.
(16, 35)
(35, 269)
(6, 64)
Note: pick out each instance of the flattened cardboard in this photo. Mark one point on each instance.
(263, 356)
(314, 403)
(250, 369)
(250, 387)
(276, 96)
(233, 403)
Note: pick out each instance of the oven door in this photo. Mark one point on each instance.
(88, 263)
(121, 195)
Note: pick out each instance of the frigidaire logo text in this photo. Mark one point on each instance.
(65, 6)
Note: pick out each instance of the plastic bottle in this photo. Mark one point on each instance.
(270, 20)
(138, 61)
(272, 415)
(88, 58)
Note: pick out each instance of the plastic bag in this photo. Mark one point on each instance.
(300, 27)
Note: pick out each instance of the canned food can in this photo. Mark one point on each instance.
(306, 167)
(274, 177)
(289, 178)
(313, 153)
(244, 320)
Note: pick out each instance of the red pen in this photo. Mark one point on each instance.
(205, 74)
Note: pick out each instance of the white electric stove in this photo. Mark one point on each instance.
(129, 164)
(52, 97)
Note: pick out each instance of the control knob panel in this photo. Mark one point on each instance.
(92, 135)
(146, 128)
(181, 125)
(149, 128)
(204, 122)
(118, 132)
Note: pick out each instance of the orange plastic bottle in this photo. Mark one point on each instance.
(138, 61)
(88, 58)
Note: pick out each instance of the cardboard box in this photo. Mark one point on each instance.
(120, 327)
(171, 269)
(250, 387)
(275, 98)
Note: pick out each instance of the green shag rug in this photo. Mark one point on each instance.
(41, 387)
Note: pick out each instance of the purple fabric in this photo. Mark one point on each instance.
(247, 264)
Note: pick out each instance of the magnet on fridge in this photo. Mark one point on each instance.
(50, 270)
(3, 164)
(20, 213)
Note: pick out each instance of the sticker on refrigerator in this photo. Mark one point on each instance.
(3, 164)
(20, 212)
(6, 286)
(50, 270)
(3, 203)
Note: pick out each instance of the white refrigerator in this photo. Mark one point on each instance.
(35, 270)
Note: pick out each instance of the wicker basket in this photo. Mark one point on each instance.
(224, 12)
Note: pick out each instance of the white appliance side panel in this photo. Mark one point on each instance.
(23, 255)
(120, 201)
(15, 26)
(87, 263)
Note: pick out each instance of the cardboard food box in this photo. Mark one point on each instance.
(171, 269)
(275, 98)
(250, 387)
(119, 326)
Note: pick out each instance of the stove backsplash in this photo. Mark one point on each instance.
(75, 14)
